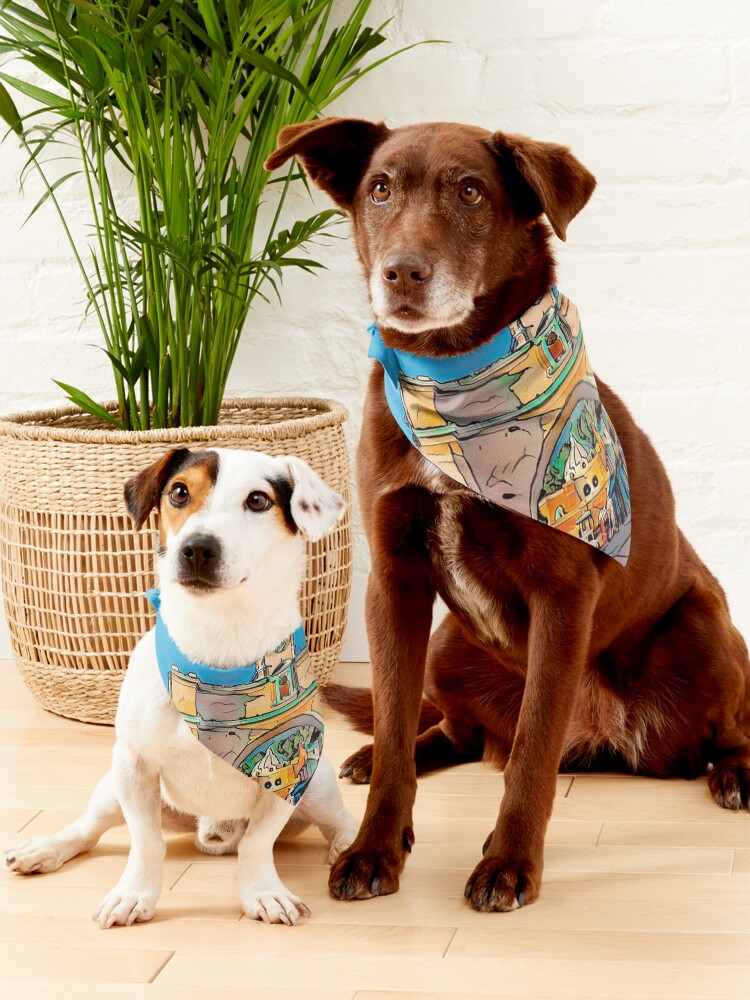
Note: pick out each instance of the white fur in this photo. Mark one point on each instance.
(157, 762)
(446, 304)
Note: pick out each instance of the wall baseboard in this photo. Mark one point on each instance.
(355, 639)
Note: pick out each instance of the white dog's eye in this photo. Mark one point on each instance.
(179, 495)
(258, 500)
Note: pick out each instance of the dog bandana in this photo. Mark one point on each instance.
(519, 420)
(262, 718)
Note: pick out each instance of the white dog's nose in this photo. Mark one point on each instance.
(200, 551)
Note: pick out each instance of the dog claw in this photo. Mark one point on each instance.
(521, 899)
(345, 772)
(375, 887)
(408, 840)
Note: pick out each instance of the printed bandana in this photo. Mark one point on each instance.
(262, 718)
(519, 420)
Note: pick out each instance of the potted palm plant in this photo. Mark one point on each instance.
(184, 98)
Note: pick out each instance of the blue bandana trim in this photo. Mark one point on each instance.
(262, 718)
(519, 421)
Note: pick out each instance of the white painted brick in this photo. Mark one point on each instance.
(699, 425)
(740, 67)
(634, 79)
(681, 143)
(687, 282)
(653, 215)
(473, 22)
(668, 19)
(505, 88)
(430, 81)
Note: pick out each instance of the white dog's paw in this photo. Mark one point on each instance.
(214, 836)
(124, 906)
(273, 906)
(39, 855)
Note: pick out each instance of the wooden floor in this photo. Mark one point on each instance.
(646, 894)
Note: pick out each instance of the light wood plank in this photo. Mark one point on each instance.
(741, 862)
(58, 965)
(624, 978)
(93, 870)
(614, 946)
(164, 933)
(731, 833)
(598, 995)
(621, 797)
(78, 990)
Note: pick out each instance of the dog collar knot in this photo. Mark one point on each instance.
(519, 421)
(261, 718)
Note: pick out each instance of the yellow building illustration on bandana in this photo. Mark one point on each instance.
(526, 430)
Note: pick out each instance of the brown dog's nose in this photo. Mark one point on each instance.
(408, 269)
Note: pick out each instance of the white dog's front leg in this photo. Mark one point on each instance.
(48, 853)
(135, 896)
(262, 893)
(323, 806)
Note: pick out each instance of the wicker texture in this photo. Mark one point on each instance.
(73, 569)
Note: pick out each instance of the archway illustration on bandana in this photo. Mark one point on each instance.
(284, 760)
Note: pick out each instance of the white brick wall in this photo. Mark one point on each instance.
(654, 97)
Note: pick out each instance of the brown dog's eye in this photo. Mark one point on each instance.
(179, 495)
(380, 192)
(258, 501)
(470, 195)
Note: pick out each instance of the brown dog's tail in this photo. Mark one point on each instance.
(355, 704)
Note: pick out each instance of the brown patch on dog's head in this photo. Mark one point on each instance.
(196, 478)
(446, 219)
(282, 490)
(158, 486)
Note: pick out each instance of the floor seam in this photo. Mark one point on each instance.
(181, 875)
(450, 942)
(163, 965)
(37, 814)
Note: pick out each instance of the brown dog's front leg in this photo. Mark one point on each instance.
(399, 613)
(510, 873)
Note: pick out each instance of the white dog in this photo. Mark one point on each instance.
(229, 566)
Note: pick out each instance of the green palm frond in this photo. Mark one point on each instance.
(188, 96)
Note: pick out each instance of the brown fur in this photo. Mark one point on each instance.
(552, 654)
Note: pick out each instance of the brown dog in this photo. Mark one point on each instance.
(552, 652)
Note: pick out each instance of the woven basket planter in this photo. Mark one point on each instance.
(73, 569)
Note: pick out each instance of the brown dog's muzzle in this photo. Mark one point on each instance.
(405, 272)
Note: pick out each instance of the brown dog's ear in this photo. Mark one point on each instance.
(543, 177)
(142, 492)
(333, 151)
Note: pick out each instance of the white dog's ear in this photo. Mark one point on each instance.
(314, 506)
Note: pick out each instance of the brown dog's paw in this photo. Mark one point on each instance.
(361, 873)
(729, 782)
(358, 767)
(501, 884)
